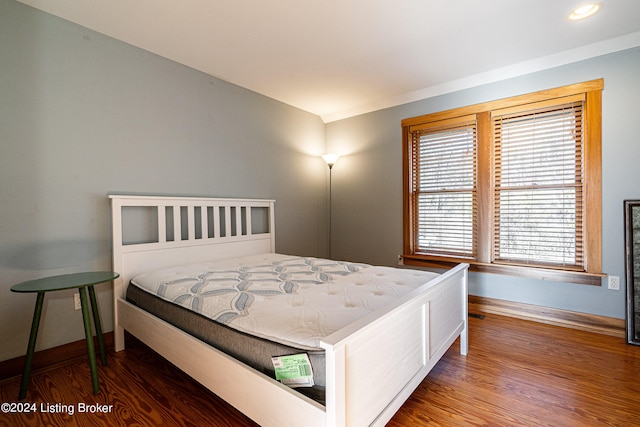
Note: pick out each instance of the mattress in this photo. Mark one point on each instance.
(268, 305)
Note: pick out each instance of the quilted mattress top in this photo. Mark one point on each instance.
(288, 299)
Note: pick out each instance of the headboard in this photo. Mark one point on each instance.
(152, 232)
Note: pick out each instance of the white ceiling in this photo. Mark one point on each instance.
(341, 58)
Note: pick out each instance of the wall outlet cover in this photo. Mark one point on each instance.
(613, 283)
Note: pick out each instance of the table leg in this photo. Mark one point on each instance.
(89, 337)
(32, 345)
(97, 324)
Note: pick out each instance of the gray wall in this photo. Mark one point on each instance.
(83, 115)
(367, 182)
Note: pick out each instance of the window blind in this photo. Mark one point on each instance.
(538, 214)
(444, 163)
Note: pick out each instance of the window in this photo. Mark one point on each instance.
(510, 186)
(444, 157)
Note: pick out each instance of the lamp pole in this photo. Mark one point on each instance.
(331, 160)
(330, 211)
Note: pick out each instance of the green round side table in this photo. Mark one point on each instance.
(81, 281)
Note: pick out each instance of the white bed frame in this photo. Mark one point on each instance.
(373, 365)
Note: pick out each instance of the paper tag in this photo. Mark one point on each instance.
(293, 370)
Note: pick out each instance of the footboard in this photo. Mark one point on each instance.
(384, 356)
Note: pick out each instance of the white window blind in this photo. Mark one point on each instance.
(538, 215)
(444, 164)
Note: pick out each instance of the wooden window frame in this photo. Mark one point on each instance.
(591, 273)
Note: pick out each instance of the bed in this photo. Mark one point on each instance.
(371, 365)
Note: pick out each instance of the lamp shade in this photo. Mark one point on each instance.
(331, 159)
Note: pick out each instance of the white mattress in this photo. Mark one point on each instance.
(295, 301)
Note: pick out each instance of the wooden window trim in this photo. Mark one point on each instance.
(592, 273)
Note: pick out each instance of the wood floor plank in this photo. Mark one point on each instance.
(143, 389)
(517, 373)
(524, 373)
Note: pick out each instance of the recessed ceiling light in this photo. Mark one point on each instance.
(585, 11)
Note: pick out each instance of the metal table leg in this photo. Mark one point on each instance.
(32, 345)
(97, 324)
(89, 337)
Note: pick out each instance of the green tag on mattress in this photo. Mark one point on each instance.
(293, 370)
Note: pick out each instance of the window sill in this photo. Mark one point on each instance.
(540, 273)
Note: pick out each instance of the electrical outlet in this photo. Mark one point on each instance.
(76, 301)
(614, 283)
(400, 260)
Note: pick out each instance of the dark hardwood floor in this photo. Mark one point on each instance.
(517, 373)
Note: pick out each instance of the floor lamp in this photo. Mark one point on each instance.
(331, 160)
